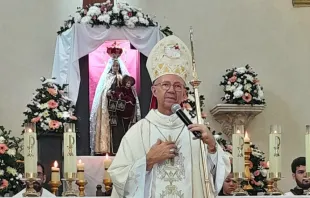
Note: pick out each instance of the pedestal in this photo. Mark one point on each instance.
(229, 114)
(49, 150)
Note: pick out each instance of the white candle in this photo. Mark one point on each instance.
(30, 150)
(308, 148)
(238, 149)
(275, 149)
(107, 163)
(69, 149)
(55, 173)
(80, 170)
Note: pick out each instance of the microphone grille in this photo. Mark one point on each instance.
(175, 108)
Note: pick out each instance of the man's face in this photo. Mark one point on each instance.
(300, 177)
(41, 175)
(169, 89)
(229, 185)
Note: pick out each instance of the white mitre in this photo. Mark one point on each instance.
(169, 56)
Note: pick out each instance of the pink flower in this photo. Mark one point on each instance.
(187, 106)
(203, 115)
(5, 184)
(256, 173)
(229, 147)
(54, 124)
(52, 104)
(247, 97)
(73, 117)
(36, 119)
(3, 148)
(264, 164)
(233, 79)
(52, 91)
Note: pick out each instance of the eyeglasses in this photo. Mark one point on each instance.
(166, 86)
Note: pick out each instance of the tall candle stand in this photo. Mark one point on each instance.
(69, 179)
(108, 187)
(30, 191)
(239, 178)
(81, 184)
(272, 184)
(247, 172)
(54, 186)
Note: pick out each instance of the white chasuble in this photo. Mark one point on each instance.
(180, 177)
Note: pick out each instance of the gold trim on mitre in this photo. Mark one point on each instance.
(169, 56)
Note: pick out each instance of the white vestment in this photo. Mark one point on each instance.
(45, 193)
(181, 177)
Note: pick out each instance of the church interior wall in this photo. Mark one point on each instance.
(271, 36)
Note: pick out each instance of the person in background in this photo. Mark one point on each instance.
(38, 184)
(229, 186)
(298, 167)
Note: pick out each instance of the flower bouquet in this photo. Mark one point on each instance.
(109, 15)
(11, 165)
(241, 86)
(258, 165)
(50, 108)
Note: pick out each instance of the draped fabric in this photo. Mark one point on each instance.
(82, 39)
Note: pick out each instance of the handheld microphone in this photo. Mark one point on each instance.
(176, 108)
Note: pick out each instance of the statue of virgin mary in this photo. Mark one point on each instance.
(106, 125)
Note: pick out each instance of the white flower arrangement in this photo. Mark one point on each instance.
(10, 163)
(50, 108)
(241, 86)
(107, 14)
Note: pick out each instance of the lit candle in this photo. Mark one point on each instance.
(275, 149)
(107, 163)
(55, 173)
(246, 141)
(80, 170)
(30, 150)
(238, 149)
(308, 148)
(70, 166)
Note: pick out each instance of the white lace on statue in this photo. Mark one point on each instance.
(101, 86)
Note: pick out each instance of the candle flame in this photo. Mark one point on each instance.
(80, 161)
(267, 164)
(55, 164)
(106, 156)
(29, 130)
(238, 131)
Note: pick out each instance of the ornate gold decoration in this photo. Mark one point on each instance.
(81, 184)
(301, 3)
(54, 186)
(272, 184)
(108, 186)
(30, 191)
(230, 114)
(247, 172)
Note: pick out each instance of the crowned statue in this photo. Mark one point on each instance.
(115, 106)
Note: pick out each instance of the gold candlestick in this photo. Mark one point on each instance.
(81, 184)
(30, 191)
(247, 172)
(108, 187)
(272, 187)
(239, 177)
(54, 186)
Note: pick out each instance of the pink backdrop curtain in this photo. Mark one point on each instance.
(99, 58)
